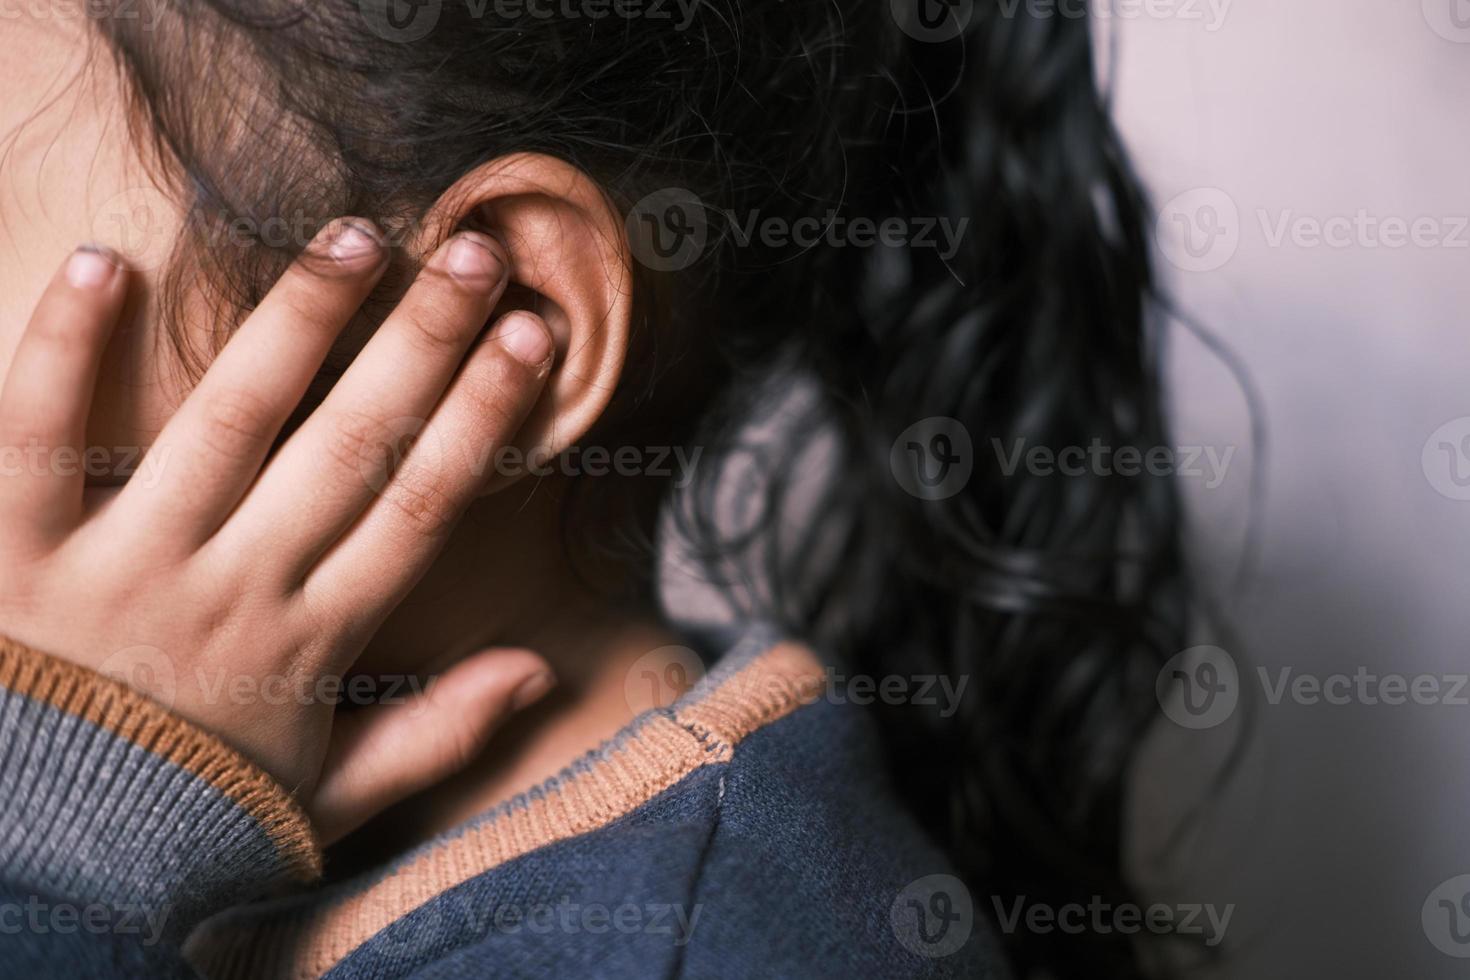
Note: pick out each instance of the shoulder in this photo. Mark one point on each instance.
(816, 869)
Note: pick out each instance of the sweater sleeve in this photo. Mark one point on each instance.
(122, 826)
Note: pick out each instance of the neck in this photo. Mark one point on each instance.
(470, 603)
(593, 657)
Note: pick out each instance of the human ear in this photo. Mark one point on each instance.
(569, 263)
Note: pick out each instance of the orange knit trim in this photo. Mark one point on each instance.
(119, 709)
(290, 940)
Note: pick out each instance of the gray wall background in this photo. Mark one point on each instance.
(1248, 118)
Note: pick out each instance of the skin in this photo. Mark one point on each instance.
(330, 555)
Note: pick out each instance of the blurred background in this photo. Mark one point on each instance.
(1309, 162)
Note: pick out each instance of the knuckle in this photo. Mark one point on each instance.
(424, 501)
(307, 301)
(359, 443)
(237, 423)
(328, 614)
(437, 326)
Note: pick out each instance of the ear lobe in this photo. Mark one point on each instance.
(570, 264)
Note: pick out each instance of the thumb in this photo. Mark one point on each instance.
(387, 753)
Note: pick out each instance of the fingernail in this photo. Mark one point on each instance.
(356, 240)
(532, 689)
(91, 267)
(526, 337)
(472, 259)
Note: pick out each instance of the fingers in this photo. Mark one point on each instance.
(382, 755)
(48, 392)
(381, 557)
(213, 447)
(333, 467)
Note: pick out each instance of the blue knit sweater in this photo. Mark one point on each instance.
(745, 831)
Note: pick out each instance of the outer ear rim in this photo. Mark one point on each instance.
(578, 398)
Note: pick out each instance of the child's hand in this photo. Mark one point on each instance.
(277, 573)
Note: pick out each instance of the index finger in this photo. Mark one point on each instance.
(214, 446)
